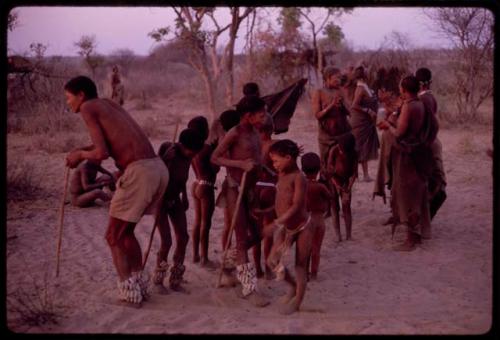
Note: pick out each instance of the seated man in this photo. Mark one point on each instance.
(85, 187)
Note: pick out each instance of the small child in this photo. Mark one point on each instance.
(342, 171)
(86, 187)
(265, 193)
(318, 203)
(177, 157)
(293, 223)
(203, 192)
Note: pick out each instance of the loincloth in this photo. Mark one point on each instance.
(139, 189)
(278, 256)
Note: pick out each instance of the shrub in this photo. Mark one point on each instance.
(21, 181)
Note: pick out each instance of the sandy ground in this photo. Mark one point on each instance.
(364, 287)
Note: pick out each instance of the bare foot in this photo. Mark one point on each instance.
(269, 275)
(228, 280)
(206, 263)
(288, 296)
(196, 258)
(289, 308)
(180, 289)
(257, 299)
(160, 289)
(405, 246)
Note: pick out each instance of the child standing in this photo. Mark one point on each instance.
(318, 203)
(292, 224)
(203, 192)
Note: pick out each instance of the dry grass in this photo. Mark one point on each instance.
(22, 184)
(62, 142)
(466, 145)
(34, 304)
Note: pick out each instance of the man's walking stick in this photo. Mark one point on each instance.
(61, 218)
(146, 254)
(233, 222)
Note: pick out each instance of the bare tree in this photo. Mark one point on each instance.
(87, 46)
(124, 57)
(471, 32)
(318, 21)
(203, 44)
(12, 20)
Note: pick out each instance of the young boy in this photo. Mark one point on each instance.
(177, 157)
(265, 193)
(293, 223)
(85, 187)
(203, 192)
(228, 119)
(342, 170)
(318, 199)
(240, 151)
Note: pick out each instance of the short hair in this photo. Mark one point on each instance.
(310, 163)
(200, 124)
(191, 139)
(285, 147)
(250, 104)
(251, 89)
(229, 119)
(83, 84)
(410, 84)
(423, 75)
(359, 73)
(268, 125)
(330, 71)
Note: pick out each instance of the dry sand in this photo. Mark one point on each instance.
(363, 287)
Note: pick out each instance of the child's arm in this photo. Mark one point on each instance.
(219, 155)
(87, 185)
(298, 202)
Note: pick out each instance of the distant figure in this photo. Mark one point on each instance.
(342, 171)
(437, 181)
(86, 187)
(363, 118)
(318, 203)
(117, 89)
(411, 163)
(203, 193)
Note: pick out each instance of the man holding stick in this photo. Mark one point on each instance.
(142, 179)
(240, 152)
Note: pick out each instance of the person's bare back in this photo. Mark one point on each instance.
(114, 132)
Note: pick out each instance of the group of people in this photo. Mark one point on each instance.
(267, 200)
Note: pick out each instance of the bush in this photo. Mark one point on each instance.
(35, 305)
(21, 181)
(57, 143)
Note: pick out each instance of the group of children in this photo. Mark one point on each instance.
(279, 204)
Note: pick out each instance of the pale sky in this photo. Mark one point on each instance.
(122, 27)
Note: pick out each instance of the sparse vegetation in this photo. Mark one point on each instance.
(22, 184)
(35, 303)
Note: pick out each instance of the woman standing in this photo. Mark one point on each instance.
(363, 118)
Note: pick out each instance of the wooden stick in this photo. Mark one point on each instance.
(233, 222)
(146, 254)
(61, 218)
